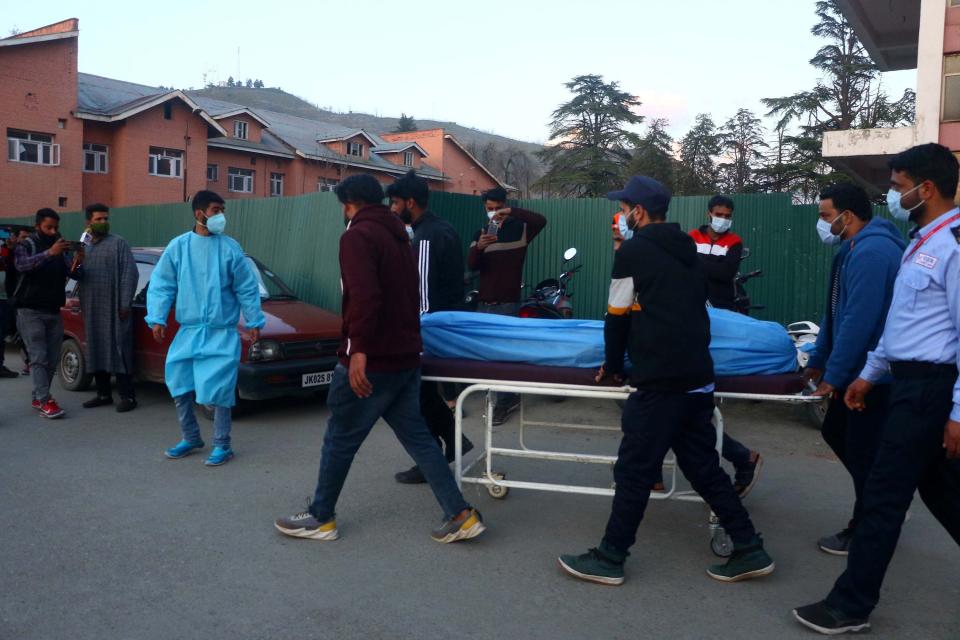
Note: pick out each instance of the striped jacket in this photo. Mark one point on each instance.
(439, 254)
(720, 260)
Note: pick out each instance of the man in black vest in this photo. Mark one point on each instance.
(657, 310)
(44, 267)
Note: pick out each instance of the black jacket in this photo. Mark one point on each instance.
(657, 308)
(439, 254)
(44, 287)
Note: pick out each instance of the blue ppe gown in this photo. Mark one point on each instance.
(211, 281)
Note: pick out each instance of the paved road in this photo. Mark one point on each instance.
(103, 538)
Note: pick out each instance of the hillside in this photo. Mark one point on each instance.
(490, 148)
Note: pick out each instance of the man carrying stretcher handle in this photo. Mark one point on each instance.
(657, 309)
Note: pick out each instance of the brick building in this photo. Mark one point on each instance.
(75, 138)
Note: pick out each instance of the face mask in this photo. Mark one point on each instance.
(100, 228)
(896, 209)
(490, 214)
(409, 232)
(720, 225)
(625, 232)
(824, 230)
(216, 224)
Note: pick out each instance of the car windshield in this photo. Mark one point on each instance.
(271, 286)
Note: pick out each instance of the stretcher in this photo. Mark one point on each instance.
(490, 378)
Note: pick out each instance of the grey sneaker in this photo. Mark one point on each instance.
(838, 544)
(460, 528)
(304, 525)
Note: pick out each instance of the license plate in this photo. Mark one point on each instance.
(317, 379)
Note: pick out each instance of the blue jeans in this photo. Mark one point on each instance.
(190, 428)
(396, 399)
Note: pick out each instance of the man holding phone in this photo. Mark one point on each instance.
(498, 252)
(44, 267)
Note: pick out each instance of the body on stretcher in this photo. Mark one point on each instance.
(491, 377)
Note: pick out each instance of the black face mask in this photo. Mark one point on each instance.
(406, 216)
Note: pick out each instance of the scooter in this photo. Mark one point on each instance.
(550, 299)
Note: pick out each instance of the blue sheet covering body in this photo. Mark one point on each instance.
(740, 345)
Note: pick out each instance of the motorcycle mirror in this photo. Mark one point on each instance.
(570, 254)
(745, 254)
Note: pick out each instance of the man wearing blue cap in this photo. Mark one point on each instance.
(657, 310)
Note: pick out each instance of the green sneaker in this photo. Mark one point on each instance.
(603, 565)
(747, 561)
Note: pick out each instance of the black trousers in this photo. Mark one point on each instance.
(124, 385)
(910, 457)
(854, 437)
(438, 416)
(652, 423)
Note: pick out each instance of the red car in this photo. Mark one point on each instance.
(296, 353)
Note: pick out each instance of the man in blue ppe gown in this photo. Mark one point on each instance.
(211, 280)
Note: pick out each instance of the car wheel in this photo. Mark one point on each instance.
(72, 368)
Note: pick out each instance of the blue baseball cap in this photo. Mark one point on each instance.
(646, 192)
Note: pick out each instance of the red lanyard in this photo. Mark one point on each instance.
(920, 242)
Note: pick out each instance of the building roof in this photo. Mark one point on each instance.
(397, 147)
(109, 100)
(57, 31)
(890, 31)
(220, 109)
(269, 144)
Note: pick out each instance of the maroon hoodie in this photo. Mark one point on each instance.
(381, 301)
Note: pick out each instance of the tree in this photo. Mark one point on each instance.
(697, 173)
(405, 124)
(591, 143)
(249, 83)
(848, 95)
(258, 84)
(741, 140)
(653, 157)
(230, 82)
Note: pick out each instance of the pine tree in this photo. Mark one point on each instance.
(405, 124)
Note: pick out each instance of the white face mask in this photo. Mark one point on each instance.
(490, 214)
(896, 208)
(825, 231)
(720, 225)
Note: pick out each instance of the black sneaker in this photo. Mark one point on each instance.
(746, 477)
(465, 447)
(413, 475)
(99, 401)
(828, 621)
(838, 544)
(126, 404)
(502, 411)
(6, 373)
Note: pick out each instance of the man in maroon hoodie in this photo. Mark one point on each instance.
(379, 371)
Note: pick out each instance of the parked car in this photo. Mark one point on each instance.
(296, 352)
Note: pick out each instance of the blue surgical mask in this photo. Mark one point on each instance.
(625, 231)
(216, 224)
(720, 225)
(896, 209)
(825, 231)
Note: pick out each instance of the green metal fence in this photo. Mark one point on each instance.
(298, 237)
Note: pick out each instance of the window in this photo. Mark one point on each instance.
(32, 148)
(326, 184)
(355, 149)
(165, 162)
(276, 184)
(94, 158)
(240, 129)
(144, 271)
(62, 201)
(408, 158)
(239, 180)
(167, 110)
(213, 173)
(951, 88)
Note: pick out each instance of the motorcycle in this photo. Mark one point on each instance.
(741, 300)
(550, 299)
(804, 335)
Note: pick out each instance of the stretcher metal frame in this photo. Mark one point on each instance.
(498, 485)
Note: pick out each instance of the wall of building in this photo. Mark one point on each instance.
(98, 187)
(261, 165)
(38, 92)
(184, 131)
(254, 128)
(463, 173)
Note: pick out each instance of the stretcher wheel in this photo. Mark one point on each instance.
(720, 543)
(497, 492)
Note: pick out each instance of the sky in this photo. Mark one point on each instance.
(498, 65)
